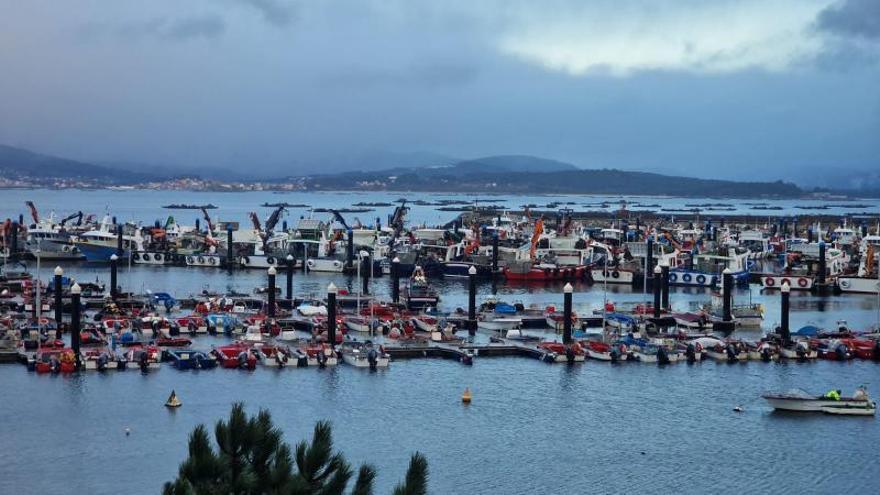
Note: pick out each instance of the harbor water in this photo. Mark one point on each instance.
(532, 427)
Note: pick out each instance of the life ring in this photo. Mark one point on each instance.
(189, 260)
(213, 260)
(785, 281)
(201, 260)
(673, 277)
(615, 274)
(136, 256)
(146, 257)
(686, 278)
(803, 283)
(701, 279)
(844, 284)
(270, 260)
(769, 282)
(158, 257)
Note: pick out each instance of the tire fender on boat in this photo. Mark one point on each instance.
(803, 283)
(136, 256)
(189, 260)
(701, 279)
(213, 260)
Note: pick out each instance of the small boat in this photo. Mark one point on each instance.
(556, 352)
(425, 323)
(190, 360)
(364, 355)
(358, 324)
(602, 351)
(496, 323)
(801, 401)
(236, 355)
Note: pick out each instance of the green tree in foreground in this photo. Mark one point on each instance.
(252, 459)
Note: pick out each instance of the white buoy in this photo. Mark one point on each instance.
(738, 409)
(127, 431)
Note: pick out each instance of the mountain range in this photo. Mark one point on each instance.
(413, 171)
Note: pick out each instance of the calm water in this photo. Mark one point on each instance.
(533, 427)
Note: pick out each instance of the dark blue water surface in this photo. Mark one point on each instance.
(532, 428)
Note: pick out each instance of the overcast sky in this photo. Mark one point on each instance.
(739, 88)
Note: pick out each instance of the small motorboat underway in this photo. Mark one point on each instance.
(832, 403)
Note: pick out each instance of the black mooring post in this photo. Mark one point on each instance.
(289, 260)
(664, 281)
(822, 265)
(649, 262)
(114, 271)
(331, 314)
(271, 272)
(366, 271)
(395, 280)
(786, 307)
(349, 251)
(59, 308)
(119, 249)
(566, 313)
(74, 321)
(494, 254)
(230, 263)
(727, 288)
(657, 289)
(13, 242)
(472, 301)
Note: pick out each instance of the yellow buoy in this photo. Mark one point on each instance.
(466, 396)
(173, 401)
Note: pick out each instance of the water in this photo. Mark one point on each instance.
(533, 427)
(145, 206)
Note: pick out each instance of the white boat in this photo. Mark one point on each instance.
(358, 324)
(802, 401)
(800, 350)
(425, 323)
(330, 265)
(498, 324)
(150, 258)
(359, 355)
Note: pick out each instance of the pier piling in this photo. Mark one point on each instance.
(727, 288)
(494, 255)
(13, 243)
(59, 273)
(366, 271)
(331, 314)
(472, 301)
(271, 272)
(349, 251)
(657, 284)
(114, 293)
(649, 263)
(821, 283)
(119, 249)
(229, 261)
(395, 280)
(75, 292)
(664, 280)
(786, 306)
(566, 313)
(289, 292)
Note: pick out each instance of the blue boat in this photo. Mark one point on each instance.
(183, 359)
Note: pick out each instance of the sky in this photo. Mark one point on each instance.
(740, 89)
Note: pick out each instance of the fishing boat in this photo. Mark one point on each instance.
(235, 355)
(419, 293)
(801, 401)
(557, 352)
(498, 323)
(98, 245)
(53, 360)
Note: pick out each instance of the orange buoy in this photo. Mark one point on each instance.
(466, 396)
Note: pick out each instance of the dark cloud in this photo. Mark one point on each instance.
(276, 12)
(209, 26)
(851, 18)
(182, 29)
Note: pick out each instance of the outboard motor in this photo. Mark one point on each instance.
(691, 353)
(373, 358)
(212, 330)
(467, 360)
(242, 359)
(103, 361)
(731, 353)
(322, 359)
(174, 330)
(841, 352)
(549, 357)
(569, 354)
(766, 355)
(143, 362)
(615, 354)
(877, 350)
(662, 356)
(55, 365)
(801, 353)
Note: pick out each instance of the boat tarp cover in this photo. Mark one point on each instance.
(807, 331)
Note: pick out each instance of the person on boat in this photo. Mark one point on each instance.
(861, 393)
(832, 395)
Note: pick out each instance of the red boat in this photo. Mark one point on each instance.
(173, 342)
(237, 355)
(546, 273)
(862, 348)
(55, 361)
(192, 323)
(559, 353)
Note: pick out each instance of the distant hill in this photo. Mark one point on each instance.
(492, 175)
(21, 163)
(513, 163)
